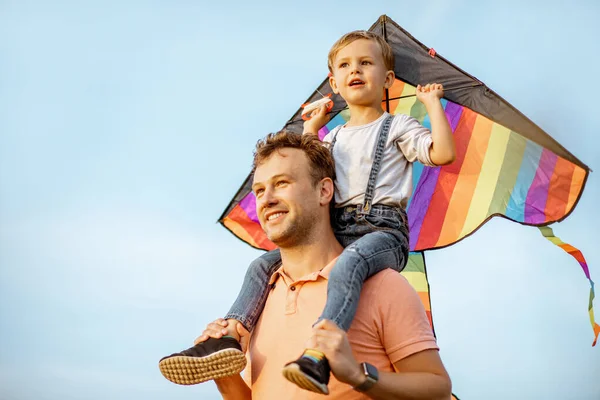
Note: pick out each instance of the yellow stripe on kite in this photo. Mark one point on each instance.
(488, 178)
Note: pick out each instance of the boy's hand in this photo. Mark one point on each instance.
(221, 327)
(318, 118)
(430, 92)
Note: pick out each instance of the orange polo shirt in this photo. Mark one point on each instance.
(390, 324)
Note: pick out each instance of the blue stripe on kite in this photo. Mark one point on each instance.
(515, 208)
(335, 121)
(417, 171)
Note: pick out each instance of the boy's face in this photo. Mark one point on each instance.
(360, 74)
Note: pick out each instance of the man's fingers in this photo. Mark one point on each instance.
(327, 325)
(200, 339)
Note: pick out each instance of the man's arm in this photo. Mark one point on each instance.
(232, 387)
(420, 376)
(442, 149)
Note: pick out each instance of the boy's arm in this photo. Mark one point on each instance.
(442, 149)
(318, 118)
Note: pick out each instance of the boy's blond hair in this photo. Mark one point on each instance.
(386, 50)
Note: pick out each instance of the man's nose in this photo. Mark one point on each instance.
(268, 198)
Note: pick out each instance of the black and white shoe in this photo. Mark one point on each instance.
(309, 374)
(208, 360)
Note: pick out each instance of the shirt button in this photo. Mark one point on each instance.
(293, 288)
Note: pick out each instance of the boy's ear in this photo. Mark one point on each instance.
(390, 76)
(333, 85)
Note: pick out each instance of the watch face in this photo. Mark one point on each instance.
(370, 371)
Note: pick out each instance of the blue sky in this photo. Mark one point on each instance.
(127, 126)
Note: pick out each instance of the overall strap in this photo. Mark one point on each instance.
(335, 132)
(379, 148)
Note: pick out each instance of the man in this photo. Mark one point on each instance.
(389, 351)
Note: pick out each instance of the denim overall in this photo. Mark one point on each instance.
(375, 237)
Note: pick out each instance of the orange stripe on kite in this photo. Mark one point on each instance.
(559, 190)
(251, 229)
(576, 187)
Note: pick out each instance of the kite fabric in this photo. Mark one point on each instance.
(505, 164)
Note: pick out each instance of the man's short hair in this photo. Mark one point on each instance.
(319, 156)
(386, 50)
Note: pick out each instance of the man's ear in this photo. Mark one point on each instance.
(333, 84)
(390, 76)
(326, 192)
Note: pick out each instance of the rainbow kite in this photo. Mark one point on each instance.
(505, 166)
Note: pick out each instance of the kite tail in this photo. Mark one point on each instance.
(549, 234)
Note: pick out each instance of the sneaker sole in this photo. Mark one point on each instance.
(184, 370)
(294, 374)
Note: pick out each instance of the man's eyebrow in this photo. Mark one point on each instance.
(273, 178)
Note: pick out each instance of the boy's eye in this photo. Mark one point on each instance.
(343, 65)
(366, 62)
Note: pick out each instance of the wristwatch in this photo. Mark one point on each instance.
(372, 377)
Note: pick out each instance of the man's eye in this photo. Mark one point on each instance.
(281, 183)
(258, 192)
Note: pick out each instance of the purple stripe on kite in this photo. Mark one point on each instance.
(420, 202)
(248, 204)
(535, 205)
(453, 112)
(323, 132)
(586, 271)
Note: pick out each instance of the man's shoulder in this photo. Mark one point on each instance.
(385, 285)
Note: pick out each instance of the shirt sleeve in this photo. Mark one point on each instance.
(402, 322)
(414, 140)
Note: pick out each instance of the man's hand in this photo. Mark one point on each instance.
(318, 118)
(430, 92)
(221, 327)
(333, 342)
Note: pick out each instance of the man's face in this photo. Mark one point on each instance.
(360, 74)
(287, 203)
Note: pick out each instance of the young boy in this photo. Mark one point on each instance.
(373, 154)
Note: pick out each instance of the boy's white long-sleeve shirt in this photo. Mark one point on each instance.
(354, 151)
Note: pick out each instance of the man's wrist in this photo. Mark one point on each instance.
(358, 378)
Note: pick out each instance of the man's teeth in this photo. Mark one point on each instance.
(273, 216)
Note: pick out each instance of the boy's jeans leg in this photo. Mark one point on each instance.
(370, 254)
(254, 292)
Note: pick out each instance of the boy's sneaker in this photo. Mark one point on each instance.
(309, 374)
(212, 359)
